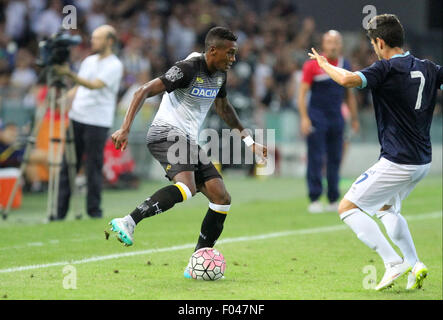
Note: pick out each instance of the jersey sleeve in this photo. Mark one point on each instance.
(373, 75)
(308, 72)
(179, 75)
(222, 91)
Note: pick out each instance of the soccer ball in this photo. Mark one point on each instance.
(207, 264)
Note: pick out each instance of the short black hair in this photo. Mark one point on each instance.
(216, 34)
(388, 28)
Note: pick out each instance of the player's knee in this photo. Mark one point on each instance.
(187, 188)
(226, 198)
(345, 205)
(192, 189)
(221, 198)
(187, 179)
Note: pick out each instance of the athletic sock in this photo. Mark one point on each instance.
(397, 229)
(370, 234)
(212, 225)
(162, 200)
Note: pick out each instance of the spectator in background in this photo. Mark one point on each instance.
(16, 19)
(363, 56)
(181, 36)
(34, 8)
(154, 32)
(96, 16)
(11, 150)
(84, 5)
(244, 68)
(92, 114)
(23, 76)
(273, 38)
(262, 82)
(294, 84)
(282, 75)
(134, 61)
(50, 20)
(5, 76)
(322, 122)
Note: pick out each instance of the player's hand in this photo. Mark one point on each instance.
(260, 151)
(120, 139)
(305, 126)
(315, 56)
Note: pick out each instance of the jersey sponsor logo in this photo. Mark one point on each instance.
(199, 80)
(204, 92)
(174, 74)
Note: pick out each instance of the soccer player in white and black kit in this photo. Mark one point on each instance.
(404, 90)
(191, 86)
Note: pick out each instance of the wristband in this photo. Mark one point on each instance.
(248, 141)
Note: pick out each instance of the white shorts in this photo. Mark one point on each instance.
(385, 183)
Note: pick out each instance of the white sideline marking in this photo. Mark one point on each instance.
(192, 245)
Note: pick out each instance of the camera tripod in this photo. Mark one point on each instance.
(56, 151)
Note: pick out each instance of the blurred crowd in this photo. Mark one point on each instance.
(273, 41)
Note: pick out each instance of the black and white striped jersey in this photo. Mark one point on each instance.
(190, 91)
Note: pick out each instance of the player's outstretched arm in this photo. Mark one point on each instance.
(227, 112)
(342, 76)
(150, 89)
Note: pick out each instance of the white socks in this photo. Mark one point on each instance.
(397, 229)
(370, 234)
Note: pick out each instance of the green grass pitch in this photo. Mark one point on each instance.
(273, 248)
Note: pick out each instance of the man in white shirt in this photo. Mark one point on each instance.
(92, 114)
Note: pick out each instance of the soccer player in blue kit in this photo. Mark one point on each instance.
(404, 90)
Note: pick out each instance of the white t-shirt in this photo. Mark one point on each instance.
(97, 107)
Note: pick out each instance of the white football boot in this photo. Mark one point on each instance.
(417, 276)
(124, 228)
(332, 207)
(187, 272)
(315, 207)
(392, 273)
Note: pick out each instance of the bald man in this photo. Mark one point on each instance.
(322, 122)
(92, 114)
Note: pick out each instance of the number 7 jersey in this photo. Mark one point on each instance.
(404, 90)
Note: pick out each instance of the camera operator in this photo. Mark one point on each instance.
(92, 114)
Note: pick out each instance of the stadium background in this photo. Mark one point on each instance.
(262, 84)
(319, 259)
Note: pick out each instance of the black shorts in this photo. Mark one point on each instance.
(195, 160)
